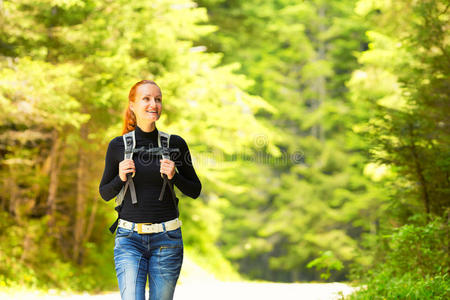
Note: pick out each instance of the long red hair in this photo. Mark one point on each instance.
(129, 120)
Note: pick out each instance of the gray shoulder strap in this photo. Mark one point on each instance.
(129, 142)
(163, 141)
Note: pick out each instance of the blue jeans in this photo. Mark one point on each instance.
(157, 255)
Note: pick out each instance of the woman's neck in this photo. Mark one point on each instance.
(147, 127)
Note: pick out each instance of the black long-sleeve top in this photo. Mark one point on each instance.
(147, 180)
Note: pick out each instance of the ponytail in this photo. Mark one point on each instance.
(129, 121)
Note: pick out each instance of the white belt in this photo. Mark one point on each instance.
(149, 227)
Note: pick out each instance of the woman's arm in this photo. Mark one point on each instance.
(186, 180)
(111, 184)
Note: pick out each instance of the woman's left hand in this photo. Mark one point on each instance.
(167, 167)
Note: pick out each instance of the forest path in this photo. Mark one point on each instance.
(218, 290)
(196, 283)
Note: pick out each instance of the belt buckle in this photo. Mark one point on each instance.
(139, 227)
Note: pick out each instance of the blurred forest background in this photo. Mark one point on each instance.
(319, 129)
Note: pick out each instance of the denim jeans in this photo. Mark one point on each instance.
(157, 256)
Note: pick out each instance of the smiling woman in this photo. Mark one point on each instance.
(148, 241)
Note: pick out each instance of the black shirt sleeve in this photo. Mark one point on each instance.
(111, 184)
(185, 179)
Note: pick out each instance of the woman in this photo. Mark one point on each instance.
(157, 251)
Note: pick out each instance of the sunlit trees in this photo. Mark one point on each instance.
(299, 55)
(402, 91)
(66, 68)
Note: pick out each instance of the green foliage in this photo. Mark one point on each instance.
(298, 55)
(303, 143)
(326, 261)
(415, 266)
(420, 249)
(403, 108)
(405, 100)
(28, 259)
(407, 286)
(66, 68)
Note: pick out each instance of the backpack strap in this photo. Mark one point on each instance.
(129, 141)
(163, 142)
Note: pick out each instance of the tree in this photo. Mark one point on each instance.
(66, 71)
(402, 88)
(299, 55)
(403, 83)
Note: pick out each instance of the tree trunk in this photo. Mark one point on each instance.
(294, 275)
(80, 216)
(55, 168)
(90, 225)
(319, 85)
(12, 188)
(448, 234)
(419, 173)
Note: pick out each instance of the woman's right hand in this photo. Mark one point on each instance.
(126, 166)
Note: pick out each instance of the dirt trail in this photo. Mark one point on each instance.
(219, 291)
(197, 284)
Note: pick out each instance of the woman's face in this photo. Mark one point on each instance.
(147, 105)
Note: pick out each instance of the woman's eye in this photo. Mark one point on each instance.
(148, 99)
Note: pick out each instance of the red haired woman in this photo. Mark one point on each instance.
(148, 241)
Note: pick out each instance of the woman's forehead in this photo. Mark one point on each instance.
(148, 90)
